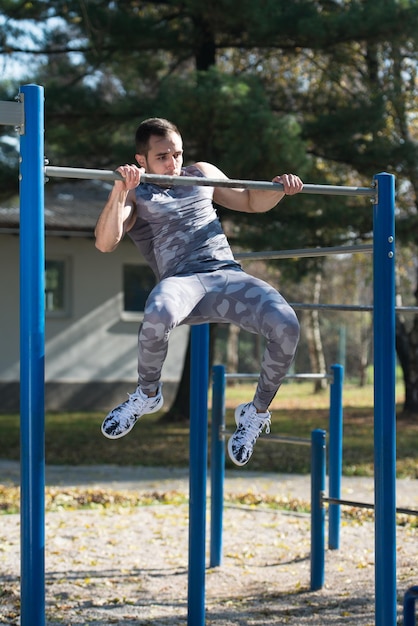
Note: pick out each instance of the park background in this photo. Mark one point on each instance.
(325, 90)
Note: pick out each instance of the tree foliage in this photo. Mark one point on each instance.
(326, 89)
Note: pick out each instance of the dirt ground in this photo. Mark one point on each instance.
(130, 566)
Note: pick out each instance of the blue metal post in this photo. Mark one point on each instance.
(384, 400)
(198, 473)
(318, 453)
(410, 597)
(335, 454)
(217, 465)
(32, 358)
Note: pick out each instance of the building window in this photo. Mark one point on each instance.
(56, 287)
(138, 280)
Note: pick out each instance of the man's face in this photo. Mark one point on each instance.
(165, 155)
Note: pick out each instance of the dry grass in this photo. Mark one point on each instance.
(75, 438)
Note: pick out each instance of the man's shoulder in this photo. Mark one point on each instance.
(209, 170)
(194, 169)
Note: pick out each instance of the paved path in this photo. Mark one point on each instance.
(141, 478)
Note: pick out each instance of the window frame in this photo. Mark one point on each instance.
(66, 291)
(131, 315)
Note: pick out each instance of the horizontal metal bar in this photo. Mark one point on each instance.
(360, 505)
(347, 307)
(82, 173)
(298, 441)
(365, 505)
(406, 309)
(403, 511)
(254, 184)
(11, 113)
(303, 252)
(309, 376)
(76, 172)
(331, 307)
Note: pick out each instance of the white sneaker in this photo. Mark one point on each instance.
(123, 418)
(250, 425)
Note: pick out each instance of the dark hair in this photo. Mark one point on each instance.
(152, 126)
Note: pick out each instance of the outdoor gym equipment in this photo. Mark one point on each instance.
(27, 115)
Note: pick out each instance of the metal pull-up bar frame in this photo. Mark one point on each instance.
(190, 181)
(32, 340)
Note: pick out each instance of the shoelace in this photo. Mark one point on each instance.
(254, 427)
(125, 412)
(267, 425)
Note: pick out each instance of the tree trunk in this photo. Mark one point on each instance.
(180, 409)
(406, 342)
(313, 334)
(232, 351)
(366, 334)
(407, 353)
(205, 57)
(205, 49)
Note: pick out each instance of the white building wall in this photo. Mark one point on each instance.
(92, 343)
(9, 309)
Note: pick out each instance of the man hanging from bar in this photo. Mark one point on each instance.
(179, 234)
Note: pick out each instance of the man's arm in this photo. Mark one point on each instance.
(119, 213)
(250, 200)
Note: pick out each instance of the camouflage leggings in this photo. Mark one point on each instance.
(221, 296)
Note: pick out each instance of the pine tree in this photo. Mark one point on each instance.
(325, 89)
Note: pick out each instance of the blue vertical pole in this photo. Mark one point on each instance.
(32, 358)
(384, 400)
(318, 471)
(217, 465)
(199, 380)
(335, 454)
(410, 597)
